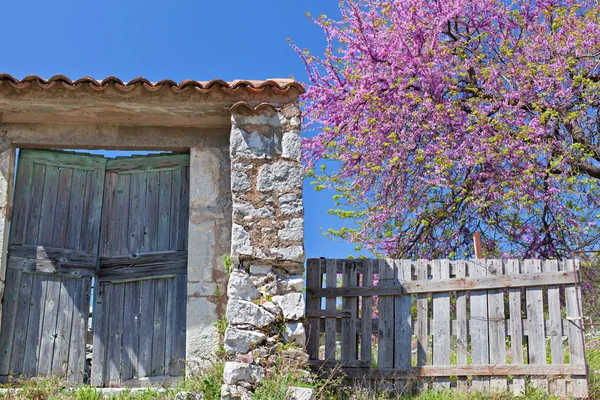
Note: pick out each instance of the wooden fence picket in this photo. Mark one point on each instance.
(422, 323)
(366, 314)
(576, 345)
(556, 386)
(516, 327)
(496, 325)
(441, 316)
(403, 323)
(330, 323)
(461, 322)
(479, 325)
(536, 338)
(349, 279)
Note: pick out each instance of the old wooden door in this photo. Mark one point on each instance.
(51, 261)
(139, 317)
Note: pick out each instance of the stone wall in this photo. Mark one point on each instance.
(265, 300)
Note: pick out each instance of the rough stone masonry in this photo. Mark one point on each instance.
(265, 301)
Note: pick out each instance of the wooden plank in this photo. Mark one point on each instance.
(115, 336)
(79, 327)
(108, 214)
(576, 343)
(461, 323)
(121, 275)
(516, 327)
(76, 203)
(151, 216)
(64, 322)
(329, 314)
(48, 206)
(100, 331)
(146, 326)
(479, 326)
(457, 370)
(385, 334)
(330, 332)
(33, 218)
(171, 293)
(454, 284)
(63, 159)
(46, 267)
(536, 338)
(421, 327)
(403, 318)
(178, 344)
(34, 326)
(131, 330)
(176, 208)
(93, 213)
(313, 308)
(558, 386)
(132, 165)
(48, 335)
(137, 207)
(21, 201)
(119, 227)
(184, 215)
(160, 328)
(366, 313)
(144, 259)
(164, 212)
(9, 318)
(441, 315)
(497, 326)
(59, 234)
(20, 336)
(64, 256)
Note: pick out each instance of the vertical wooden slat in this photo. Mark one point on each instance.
(115, 335)
(556, 386)
(160, 314)
(20, 336)
(176, 208)
(461, 323)
(366, 313)
(330, 329)
(74, 219)
(60, 224)
(48, 334)
(62, 343)
(403, 322)
(516, 327)
(479, 325)
(185, 209)
(48, 206)
(146, 328)
(100, 326)
(313, 281)
(119, 227)
(576, 345)
(497, 326)
(178, 344)
(79, 327)
(109, 212)
(22, 201)
(164, 211)
(34, 326)
(92, 212)
(536, 340)
(422, 322)
(137, 207)
(170, 291)
(385, 334)
(441, 319)
(348, 343)
(35, 208)
(131, 331)
(9, 318)
(151, 216)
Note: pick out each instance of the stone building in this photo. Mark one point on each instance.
(245, 199)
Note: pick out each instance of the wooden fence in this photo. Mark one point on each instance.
(479, 324)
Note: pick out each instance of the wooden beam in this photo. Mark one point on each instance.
(454, 284)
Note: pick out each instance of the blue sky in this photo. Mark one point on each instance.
(177, 40)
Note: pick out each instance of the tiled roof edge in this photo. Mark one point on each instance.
(251, 86)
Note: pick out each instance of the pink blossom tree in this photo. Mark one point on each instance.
(437, 119)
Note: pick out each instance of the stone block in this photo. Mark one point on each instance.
(245, 312)
(260, 269)
(291, 253)
(247, 211)
(240, 241)
(294, 333)
(241, 287)
(300, 393)
(293, 230)
(232, 392)
(241, 341)
(294, 283)
(291, 304)
(240, 181)
(283, 175)
(290, 204)
(291, 145)
(255, 145)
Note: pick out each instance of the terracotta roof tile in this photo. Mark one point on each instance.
(278, 86)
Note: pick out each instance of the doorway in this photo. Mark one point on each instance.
(120, 224)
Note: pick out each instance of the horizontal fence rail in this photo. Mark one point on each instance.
(478, 324)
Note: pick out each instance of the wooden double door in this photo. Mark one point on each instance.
(97, 263)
